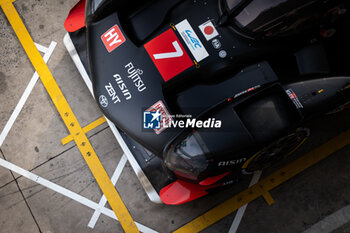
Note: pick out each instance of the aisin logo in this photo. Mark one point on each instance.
(152, 120)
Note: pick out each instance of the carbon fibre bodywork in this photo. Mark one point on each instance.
(190, 58)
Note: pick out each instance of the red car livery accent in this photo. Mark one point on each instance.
(213, 180)
(76, 17)
(113, 38)
(180, 192)
(168, 55)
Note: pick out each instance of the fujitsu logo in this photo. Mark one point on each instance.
(113, 38)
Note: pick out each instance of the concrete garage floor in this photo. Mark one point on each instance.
(34, 144)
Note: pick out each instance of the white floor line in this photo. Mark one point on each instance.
(25, 94)
(67, 193)
(76, 59)
(103, 199)
(41, 48)
(240, 212)
(48, 184)
(331, 222)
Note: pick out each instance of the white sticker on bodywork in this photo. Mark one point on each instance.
(165, 118)
(294, 98)
(208, 30)
(192, 41)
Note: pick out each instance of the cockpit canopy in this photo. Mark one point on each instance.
(270, 18)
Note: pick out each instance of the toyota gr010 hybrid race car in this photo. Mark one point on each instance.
(205, 92)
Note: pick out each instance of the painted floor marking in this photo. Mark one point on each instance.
(48, 52)
(331, 222)
(67, 193)
(41, 48)
(76, 59)
(69, 118)
(266, 184)
(146, 184)
(86, 129)
(103, 199)
(240, 212)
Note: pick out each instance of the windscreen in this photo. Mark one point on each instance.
(262, 9)
(263, 15)
(233, 3)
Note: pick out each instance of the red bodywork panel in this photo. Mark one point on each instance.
(168, 55)
(213, 180)
(180, 192)
(76, 17)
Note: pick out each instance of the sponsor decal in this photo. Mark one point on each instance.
(122, 86)
(294, 98)
(216, 43)
(103, 101)
(136, 76)
(231, 162)
(208, 30)
(230, 182)
(157, 113)
(112, 93)
(168, 55)
(222, 54)
(246, 91)
(113, 38)
(192, 41)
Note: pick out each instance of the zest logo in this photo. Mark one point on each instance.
(168, 55)
(113, 38)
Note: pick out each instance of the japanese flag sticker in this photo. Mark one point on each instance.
(208, 30)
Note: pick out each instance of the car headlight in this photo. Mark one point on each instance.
(187, 158)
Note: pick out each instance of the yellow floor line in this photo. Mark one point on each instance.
(86, 129)
(5, 1)
(264, 186)
(69, 119)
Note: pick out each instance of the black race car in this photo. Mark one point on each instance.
(205, 92)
